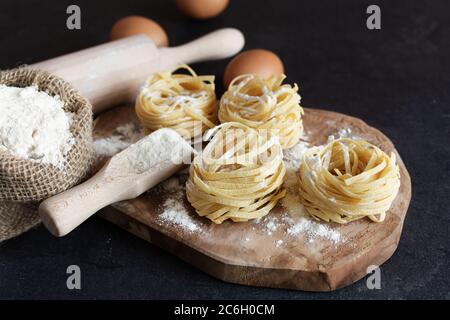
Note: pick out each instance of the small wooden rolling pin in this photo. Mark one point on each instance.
(113, 72)
(128, 174)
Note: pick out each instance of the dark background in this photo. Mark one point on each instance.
(396, 79)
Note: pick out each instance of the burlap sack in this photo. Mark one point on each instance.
(25, 181)
(16, 218)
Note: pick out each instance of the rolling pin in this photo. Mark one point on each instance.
(126, 175)
(113, 72)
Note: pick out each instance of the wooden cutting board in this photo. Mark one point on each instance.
(266, 253)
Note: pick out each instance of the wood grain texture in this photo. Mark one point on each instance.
(113, 72)
(246, 253)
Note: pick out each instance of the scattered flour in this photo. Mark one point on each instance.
(123, 136)
(296, 224)
(34, 125)
(313, 229)
(174, 210)
(293, 156)
(110, 146)
(271, 225)
(343, 133)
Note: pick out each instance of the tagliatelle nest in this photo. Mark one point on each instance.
(183, 102)
(264, 104)
(347, 180)
(238, 176)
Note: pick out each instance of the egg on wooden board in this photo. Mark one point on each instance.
(132, 25)
(202, 9)
(257, 61)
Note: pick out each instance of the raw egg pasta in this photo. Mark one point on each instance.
(346, 180)
(264, 104)
(238, 176)
(183, 102)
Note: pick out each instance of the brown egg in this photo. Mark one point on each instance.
(202, 9)
(257, 61)
(132, 25)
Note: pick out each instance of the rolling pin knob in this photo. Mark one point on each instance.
(216, 45)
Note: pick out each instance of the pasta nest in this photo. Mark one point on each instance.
(183, 102)
(347, 180)
(264, 104)
(238, 176)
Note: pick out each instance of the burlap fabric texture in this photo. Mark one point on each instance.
(23, 183)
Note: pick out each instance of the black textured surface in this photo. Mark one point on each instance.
(396, 79)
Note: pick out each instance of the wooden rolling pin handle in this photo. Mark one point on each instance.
(216, 45)
(65, 211)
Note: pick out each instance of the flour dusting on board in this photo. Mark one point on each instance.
(174, 210)
(278, 243)
(312, 229)
(271, 225)
(343, 133)
(109, 146)
(122, 137)
(293, 156)
(283, 226)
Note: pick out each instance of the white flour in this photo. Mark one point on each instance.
(110, 146)
(34, 125)
(160, 146)
(293, 156)
(290, 223)
(343, 133)
(123, 136)
(312, 229)
(271, 225)
(278, 243)
(174, 210)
